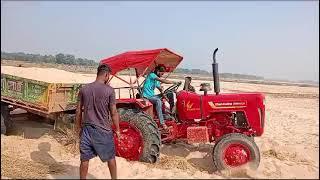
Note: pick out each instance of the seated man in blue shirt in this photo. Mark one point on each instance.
(153, 81)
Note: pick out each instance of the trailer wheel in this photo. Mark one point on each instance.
(5, 118)
(3, 126)
(64, 121)
(236, 150)
(140, 137)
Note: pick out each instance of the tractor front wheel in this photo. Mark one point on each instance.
(236, 150)
(140, 137)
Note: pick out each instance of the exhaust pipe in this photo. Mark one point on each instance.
(215, 73)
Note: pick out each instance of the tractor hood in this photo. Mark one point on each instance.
(198, 106)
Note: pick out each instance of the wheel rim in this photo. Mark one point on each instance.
(236, 155)
(130, 145)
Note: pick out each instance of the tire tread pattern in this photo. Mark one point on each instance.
(239, 138)
(149, 131)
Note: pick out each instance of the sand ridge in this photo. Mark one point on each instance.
(50, 75)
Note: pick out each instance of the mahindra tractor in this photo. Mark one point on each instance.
(229, 121)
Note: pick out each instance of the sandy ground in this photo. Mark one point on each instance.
(289, 147)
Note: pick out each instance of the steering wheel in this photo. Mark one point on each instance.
(172, 88)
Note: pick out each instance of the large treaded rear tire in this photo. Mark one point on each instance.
(149, 131)
(235, 138)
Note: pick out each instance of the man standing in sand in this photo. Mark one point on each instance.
(97, 101)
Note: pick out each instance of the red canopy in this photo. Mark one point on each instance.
(140, 60)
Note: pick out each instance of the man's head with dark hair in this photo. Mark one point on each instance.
(189, 78)
(103, 72)
(159, 70)
(187, 84)
(103, 69)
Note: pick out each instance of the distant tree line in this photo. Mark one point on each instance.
(71, 60)
(192, 71)
(222, 75)
(57, 59)
(241, 76)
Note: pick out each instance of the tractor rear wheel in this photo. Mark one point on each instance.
(236, 150)
(140, 137)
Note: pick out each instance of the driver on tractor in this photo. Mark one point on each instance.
(153, 81)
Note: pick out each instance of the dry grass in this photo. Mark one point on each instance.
(170, 162)
(68, 138)
(13, 166)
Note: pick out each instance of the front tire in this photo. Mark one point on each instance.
(236, 150)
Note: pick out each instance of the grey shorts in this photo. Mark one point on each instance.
(96, 141)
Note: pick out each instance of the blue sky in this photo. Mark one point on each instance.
(270, 39)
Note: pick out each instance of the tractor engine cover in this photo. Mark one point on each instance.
(197, 134)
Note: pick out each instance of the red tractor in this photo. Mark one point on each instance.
(231, 121)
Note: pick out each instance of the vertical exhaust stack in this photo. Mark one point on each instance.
(215, 73)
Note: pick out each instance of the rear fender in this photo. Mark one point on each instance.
(141, 104)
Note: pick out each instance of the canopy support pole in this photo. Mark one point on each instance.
(110, 79)
(121, 79)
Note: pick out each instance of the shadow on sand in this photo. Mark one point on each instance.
(203, 162)
(183, 149)
(57, 170)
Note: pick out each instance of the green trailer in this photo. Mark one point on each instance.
(54, 101)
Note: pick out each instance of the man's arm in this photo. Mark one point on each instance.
(79, 114)
(115, 117)
(164, 80)
(161, 92)
(113, 111)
